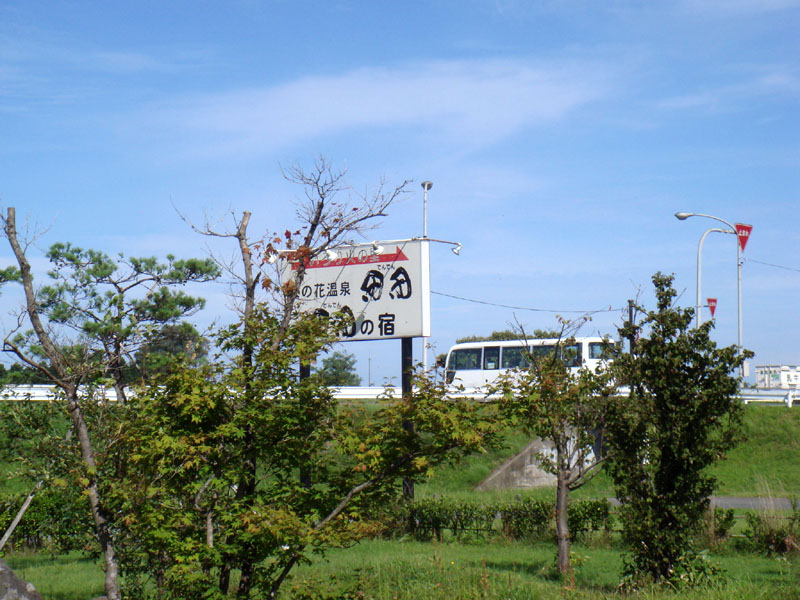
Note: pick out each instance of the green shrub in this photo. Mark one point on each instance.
(690, 570)
(585, 517)
(58, 519)
(426, 519)
(770, 533)
(527, 520)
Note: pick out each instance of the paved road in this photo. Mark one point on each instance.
(752, 503)
(743, 502)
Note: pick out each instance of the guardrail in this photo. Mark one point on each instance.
(769, 396)
(47, 393)
(350, 393)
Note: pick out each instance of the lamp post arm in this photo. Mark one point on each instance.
(683, 216)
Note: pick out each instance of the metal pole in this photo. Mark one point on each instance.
(305, 476)
(739, 291)
(683, 216)
(631, 337)
(426, 185)
(699, 305)
(406, 363)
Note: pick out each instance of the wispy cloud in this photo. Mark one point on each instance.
(471, 102)
(766, 82)
(36, 73)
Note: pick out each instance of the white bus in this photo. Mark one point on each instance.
(479, 364)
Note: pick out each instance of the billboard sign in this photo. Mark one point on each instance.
(385, 286)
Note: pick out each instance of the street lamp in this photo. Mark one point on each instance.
(698, 318)
(683, 216)
(426, 185)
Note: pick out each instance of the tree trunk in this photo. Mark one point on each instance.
(98, 514)
(64, 381)
(562, 526)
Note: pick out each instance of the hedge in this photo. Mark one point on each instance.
(525, 519)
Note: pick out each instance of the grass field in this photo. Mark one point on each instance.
(405, 570)
(412, 570)
(769, 453)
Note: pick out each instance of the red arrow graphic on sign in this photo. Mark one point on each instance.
(743, 233)
(712, 305)
(369, 259)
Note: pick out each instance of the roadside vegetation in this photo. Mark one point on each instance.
(226, 468)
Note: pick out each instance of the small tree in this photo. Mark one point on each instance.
(681, 416)
(326, 220)
(567, 409)
(186, 519)
(101, 307)
(339, 369)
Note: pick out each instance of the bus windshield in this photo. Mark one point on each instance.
(465, 359)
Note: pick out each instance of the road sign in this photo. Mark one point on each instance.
(743, 233)
(712, 305)
(384, 286)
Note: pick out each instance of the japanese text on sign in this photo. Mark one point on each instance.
(384, 287)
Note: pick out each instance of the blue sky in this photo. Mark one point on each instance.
(561, 138)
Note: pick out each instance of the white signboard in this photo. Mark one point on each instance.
(385, 288)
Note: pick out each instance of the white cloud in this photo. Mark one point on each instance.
(473, 103)
(764, 83)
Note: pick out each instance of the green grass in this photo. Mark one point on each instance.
(463, 476)
(63, 577)
(500, 569)
(769, 453)
(407, 570)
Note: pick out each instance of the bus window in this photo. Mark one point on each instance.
(601, 350)
(491, 358)
(465, 359)
(538, 352)
(515, 358)
(571, 355)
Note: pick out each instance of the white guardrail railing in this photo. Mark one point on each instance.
(48, 392)
(787, 397)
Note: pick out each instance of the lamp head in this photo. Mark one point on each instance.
(456, 249)
(426, 185)
(376, 248)
(683, 216)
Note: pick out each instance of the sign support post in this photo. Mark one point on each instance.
(305, 476)
(407, 367)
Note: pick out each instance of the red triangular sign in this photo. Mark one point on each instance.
(712, 305)
(743, 233)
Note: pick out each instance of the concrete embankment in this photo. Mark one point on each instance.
(521, 470)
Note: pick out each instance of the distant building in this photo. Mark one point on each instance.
(782, 377)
